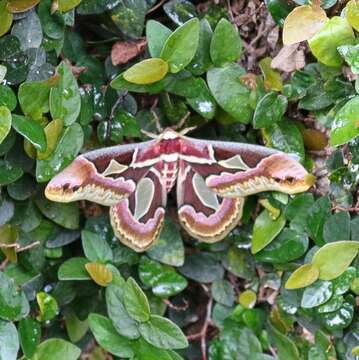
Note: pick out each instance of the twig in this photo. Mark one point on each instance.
(229, 7)
(154, 8)
(176, 307)
(349, 209)
(203, 333)
(18, 247)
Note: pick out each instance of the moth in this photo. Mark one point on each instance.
(213, 178)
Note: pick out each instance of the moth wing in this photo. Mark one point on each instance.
(237, 169)
(137, 220)
(205, 216)
(104, 176)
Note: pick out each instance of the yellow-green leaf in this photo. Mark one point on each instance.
(5, 122)
(334, 33)
(16, 6)
(248, 299)
(6, 18)
(352, 13)
(67, 5)
(272, 79)
(304, 276)
(334, 258)
(302, 23)
(265, 229)
(147, 71)
(53, 131)
(99, 273)
(9, 235)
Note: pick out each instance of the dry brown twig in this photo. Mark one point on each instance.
(18, 247)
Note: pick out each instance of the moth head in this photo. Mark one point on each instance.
(276, 172)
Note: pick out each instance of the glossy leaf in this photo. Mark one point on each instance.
(58, 348)
(272, 78)
(9, 235)
(303, 23)
(136, 302)
(95, 248)
(30, 130)
(345, 126)
(163, 333)
(226, 44)
(304, 276)
(65, 100)
(74, 269)
(76, 329)
(248, 299)
(47, 305)
(53, 131)
(334, 258)
(5, 122)
(106, 335)
(146, 72)
(269, 110)
(265, 229)
(324, 43)
(226, 87)
(6, 18)
(99, 273)
(156, 35)
(9, 341)
(317, 294)
(16, 6)
(181, 46)
(67, 5)
(30, 336)
(352, 14)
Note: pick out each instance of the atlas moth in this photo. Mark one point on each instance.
(213, 178)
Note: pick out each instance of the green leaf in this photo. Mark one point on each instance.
(95, 248)
(337, 227)
(30, 336)
(106, 335)
(156, 35)
(181, 46)
(169, 247)
(163, 333)
(334, 33)
(286, 136)
(333, 304)
(48, 306)
(67, 5)
(146, 72)
(30, 130)
(9, 173)
(350, 54)
(117, 312)
(240, 262)
(5, 122)
(226, 44)
(352, 14)
(136, 302)
(202, 59)
(304, 276)
(58, 348)
(339, 319)
(146, 351)
(226, 87)
(164, 282)
(248, 299)
(6, 18)
(65, 152)
(180, 10)
(7, 96)
(316, 217)
(53, 23)
(343, 282)
(73, 269)
(9, 46)
(317, 294)
(9, 340)
(129, 16)
(66, 215)
(222, 292)
(345, 126)
(334, 258)
(265, 230)
(202, 267)
(65, 100)
(287, 349)
(76, 329)
(269, 110)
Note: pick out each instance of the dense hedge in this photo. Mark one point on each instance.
(280, 74)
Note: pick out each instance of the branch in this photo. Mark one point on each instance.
(203, 333)
(18, 247)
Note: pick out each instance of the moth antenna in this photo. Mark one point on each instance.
(182, 121)
(157, 121)
(149, 134)
(187, 130)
